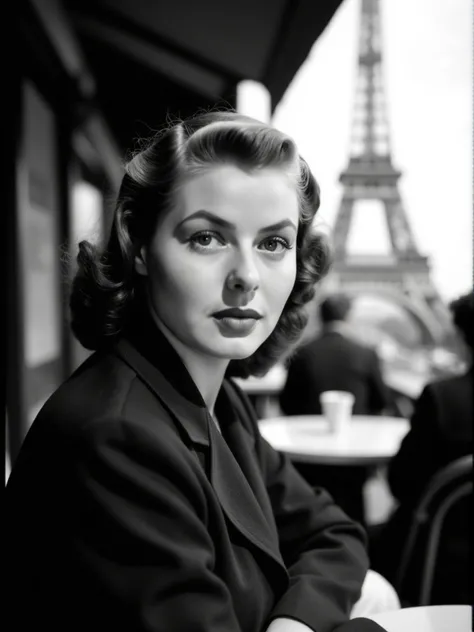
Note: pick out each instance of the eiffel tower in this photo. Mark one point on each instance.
(404, 275)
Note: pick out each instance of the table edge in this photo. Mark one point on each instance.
(320, 459)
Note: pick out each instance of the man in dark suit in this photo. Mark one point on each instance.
(334, 361)
(441, 432)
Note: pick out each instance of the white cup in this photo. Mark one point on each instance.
(337, 409)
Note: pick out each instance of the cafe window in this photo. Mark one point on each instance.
(39, 250)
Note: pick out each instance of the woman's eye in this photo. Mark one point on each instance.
(203, 240)
(206, 241)
(275, 244)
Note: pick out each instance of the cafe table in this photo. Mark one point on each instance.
(450, 618)
(367, 440)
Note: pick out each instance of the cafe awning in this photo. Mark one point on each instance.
(153, 57)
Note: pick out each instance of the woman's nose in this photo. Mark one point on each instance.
(244, 276)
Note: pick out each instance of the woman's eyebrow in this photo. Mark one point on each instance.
(279, 226)
(203, 214)
(215, 219)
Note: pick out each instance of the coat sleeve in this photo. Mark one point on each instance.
(323, 549)
(140, 501)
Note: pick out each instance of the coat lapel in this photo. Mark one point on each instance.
(234, 473)
(237, 497)
(242, 444)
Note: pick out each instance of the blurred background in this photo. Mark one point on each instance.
(96, 75)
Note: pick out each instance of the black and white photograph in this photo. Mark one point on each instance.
(239, 316)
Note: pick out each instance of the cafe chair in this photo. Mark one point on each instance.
(447, 491)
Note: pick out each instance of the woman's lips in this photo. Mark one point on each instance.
(232, 326)
(237, 312)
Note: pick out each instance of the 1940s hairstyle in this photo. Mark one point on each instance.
(106, 283)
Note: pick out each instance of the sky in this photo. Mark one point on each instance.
(428, 76)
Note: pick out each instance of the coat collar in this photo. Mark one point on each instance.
(147, 350)
(192, 416)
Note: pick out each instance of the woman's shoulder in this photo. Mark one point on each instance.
(101, 393)
(449, 387)
(101, 383)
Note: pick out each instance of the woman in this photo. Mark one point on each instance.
(144, 497)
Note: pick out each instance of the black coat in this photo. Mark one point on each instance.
(334, 362)
(128, 510)
(440, 432)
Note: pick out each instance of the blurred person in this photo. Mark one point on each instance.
(334, 360)
(440, 432)
(144, 497)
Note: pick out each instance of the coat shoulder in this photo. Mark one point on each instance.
(105, 389)
(97, 388)
(450, 386)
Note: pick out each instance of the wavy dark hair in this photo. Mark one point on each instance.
(106, 283)
(462, 310)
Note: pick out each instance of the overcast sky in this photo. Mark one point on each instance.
(427, 49)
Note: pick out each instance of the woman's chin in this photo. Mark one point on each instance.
(240, 351)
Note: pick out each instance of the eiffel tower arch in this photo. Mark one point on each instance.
(403, 276)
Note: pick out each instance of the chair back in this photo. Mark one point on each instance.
(446, 489)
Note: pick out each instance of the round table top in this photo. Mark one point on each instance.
(365, 440)
(426, 619)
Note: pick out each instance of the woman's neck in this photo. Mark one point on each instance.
(207, 372)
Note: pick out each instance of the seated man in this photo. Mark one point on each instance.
(441, 432)
(335, 361)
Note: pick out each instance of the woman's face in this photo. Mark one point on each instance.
(222, 263)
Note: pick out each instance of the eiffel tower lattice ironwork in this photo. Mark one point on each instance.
(370, 175)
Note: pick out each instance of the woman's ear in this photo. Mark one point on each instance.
(140, 262)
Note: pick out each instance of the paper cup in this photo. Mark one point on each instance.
(337, 409)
